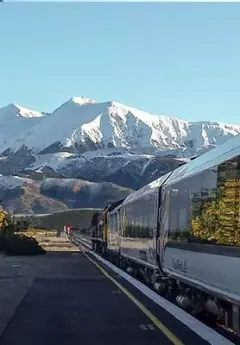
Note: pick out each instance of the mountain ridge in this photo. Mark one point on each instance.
(81, 124)
(99, 142)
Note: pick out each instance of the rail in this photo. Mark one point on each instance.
(84, 241)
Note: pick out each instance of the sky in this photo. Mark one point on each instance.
(174, 59)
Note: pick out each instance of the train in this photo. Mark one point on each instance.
(181, 234)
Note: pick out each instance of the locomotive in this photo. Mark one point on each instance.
(181, 233)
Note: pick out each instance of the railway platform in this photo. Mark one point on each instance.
(82, 301)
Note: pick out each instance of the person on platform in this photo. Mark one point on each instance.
(68, 229)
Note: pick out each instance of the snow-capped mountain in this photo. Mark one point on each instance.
(82, 124)
(99, 142)
(16, 120)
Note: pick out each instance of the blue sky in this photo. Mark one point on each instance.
(181, 60)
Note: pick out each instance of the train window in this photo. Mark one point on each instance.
(135, 232)
(206, 208)
(139, 228)
(128, 230)
(109, 224)
(149, 225)
(116, 223)
(140, 214)
(112, 223)
(216, 217)
(142, 233)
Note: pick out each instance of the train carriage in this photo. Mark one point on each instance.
(138, 218)
(104, 230)
(113, 232)
(184, 229)
(200, 225)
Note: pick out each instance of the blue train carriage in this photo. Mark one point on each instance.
(199, 246)
(138, 218)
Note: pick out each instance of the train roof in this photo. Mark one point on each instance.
(146, 190)
(111, 206)
(115, 209)
(216, 156)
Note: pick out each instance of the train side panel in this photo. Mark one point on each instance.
(138, 235)
(200, 229)
(139, 224)
(213, 273)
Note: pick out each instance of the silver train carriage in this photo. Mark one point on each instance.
(186, 226)
(132, 226)
(199, 242)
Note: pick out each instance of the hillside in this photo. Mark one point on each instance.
(26, 196)
(78, 218)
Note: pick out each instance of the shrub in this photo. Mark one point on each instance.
(14, 243)
(19, 244)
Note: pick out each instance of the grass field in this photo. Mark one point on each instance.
(78, 218)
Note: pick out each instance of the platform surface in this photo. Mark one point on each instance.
(75, 303)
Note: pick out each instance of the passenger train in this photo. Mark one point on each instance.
(181, 233)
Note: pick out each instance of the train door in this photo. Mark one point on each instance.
(118, 229)
(162, 222)
(158, 216)
(153, 225)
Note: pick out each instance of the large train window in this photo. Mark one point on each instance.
(215, 217)
(139, 215)
(109, 223)
(206, 208)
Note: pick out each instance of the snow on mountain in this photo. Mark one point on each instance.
(99, 142)
(59, 160)
(24, 112)
(61, 126)
(82, 100)
(11, 182)
(113, 165)
(82, 124)
(16, 120)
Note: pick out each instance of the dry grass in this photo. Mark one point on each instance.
(36, 231)
(49, 240)
(32, 196)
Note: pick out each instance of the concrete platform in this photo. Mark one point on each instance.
(73, 302)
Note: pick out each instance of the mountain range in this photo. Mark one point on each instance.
(93, 143)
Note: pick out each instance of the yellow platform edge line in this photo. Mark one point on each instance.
(147, 312)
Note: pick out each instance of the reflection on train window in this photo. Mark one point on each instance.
(139, 219)
(206, 208)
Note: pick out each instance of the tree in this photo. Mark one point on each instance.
(216, 217)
